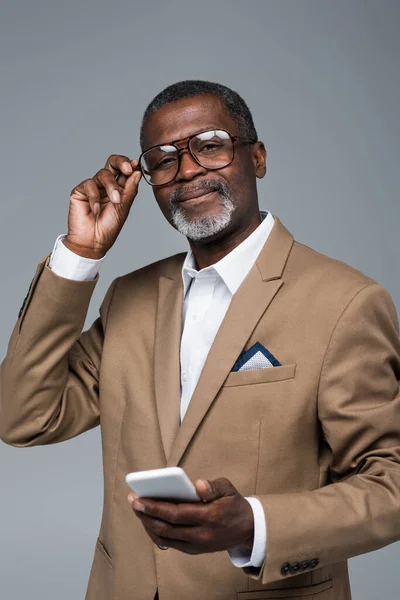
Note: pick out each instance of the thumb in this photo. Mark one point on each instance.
(217, 488)
(131, 188)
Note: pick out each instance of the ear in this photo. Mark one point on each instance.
(259, 155)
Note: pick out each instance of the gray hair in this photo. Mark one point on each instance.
(235, 105)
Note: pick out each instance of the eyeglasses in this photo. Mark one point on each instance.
(212, 149)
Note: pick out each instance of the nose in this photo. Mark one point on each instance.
(188, 168)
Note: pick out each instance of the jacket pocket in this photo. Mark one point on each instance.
(267, 375)
(101, 581)
(290, 592)
(100, 547)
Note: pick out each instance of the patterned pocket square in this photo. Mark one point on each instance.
(257, 357)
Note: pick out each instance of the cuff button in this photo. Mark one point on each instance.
(313, 563)
(294, 567)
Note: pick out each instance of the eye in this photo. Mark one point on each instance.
(166, 162)
(210, 147)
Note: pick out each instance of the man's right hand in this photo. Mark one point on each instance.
(100, 206)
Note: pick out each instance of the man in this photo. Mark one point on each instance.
(269, 372)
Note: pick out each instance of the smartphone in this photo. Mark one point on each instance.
(170, 483)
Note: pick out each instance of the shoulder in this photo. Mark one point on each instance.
(330, 285)
(332, 288)
(317, 269)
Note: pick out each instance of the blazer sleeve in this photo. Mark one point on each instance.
(49, 379)
(359, 412)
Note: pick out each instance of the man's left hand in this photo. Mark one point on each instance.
(223, 520)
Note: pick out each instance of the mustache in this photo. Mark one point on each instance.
(209, 185)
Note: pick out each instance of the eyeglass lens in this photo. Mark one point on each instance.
(211, 149)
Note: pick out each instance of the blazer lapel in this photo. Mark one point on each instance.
(167, 357)
(246, 308)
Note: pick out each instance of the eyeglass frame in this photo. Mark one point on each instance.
(234, 138)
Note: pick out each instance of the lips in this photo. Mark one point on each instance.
(196, 194)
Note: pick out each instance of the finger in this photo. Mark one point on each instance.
(181, 513)
(211, 490)
(175, 544)
(106, 180)
(134, 164)
(88, 191)
(130, 189)
(162, 529)
(118, 163)
(203, 489)
(121, 179)
(131, 497)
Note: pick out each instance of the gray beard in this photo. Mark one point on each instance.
(204, 227)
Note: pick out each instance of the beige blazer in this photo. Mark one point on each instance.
(316, 440)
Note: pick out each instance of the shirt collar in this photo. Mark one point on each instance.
(234, 267)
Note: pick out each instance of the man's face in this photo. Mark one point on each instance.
(202, 204)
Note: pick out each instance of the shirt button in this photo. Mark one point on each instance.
(184, 377)
(194, 317)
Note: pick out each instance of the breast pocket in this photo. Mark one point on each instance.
(269, 374)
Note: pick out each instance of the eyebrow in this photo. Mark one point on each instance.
(205, 128)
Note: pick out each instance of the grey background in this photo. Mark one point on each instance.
(322, 80)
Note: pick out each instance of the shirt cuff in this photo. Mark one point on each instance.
(69, 265)
(242, 558)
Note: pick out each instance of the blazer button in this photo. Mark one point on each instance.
(304, 565)
(294, 567)
(314, 562)
(285, 569)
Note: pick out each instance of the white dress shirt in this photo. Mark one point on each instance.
(207, 296)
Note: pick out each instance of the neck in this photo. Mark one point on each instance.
(210, 252)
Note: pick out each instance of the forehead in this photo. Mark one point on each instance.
(182, 118)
